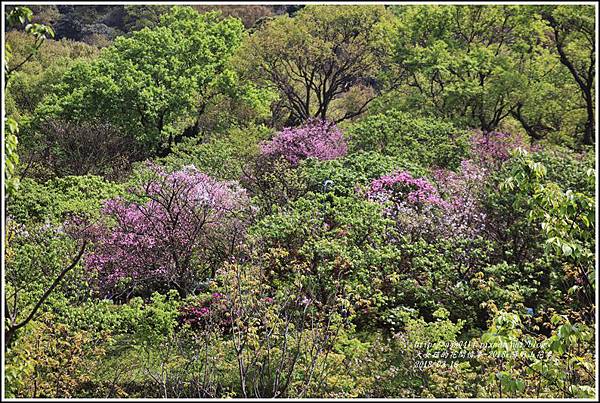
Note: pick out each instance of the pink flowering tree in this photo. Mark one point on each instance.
(177, 235)
(463, 190)
(273, 177)
(490, 150)
(464, 214)
(448, 206)
(414, 203)
(402, 187)
(317, 139)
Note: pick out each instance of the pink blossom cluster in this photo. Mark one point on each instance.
(451, 205)
(207, 313)
(184, 216)
(491, 149)
(402, 187)
(413, 203)
(463, 212)
(317, 139)
(447, 207)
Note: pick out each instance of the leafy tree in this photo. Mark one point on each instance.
(11, 128)
(19, 15)
(573, 35)
(155, 83)
(317, 56)
(424, 141)
(327, 243)
(36, 268)
(547, 104)
(67, 359)
(533, 364)
(141, 16)
(33, 80)
(22, 15)
(461, 60)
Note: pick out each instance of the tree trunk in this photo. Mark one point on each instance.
(589, 134)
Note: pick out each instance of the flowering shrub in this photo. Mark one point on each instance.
(401, 186)
(464, 214)
(187, 221)
(318, 139)
(413, 203)
(211, 311)
(491, 149)
(449, 206)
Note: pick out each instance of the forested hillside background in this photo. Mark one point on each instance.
(300, 201)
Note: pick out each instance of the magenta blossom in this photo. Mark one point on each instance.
(413, 203)
(186, 223)
(491, 149)
(402, 187)
(464, 215)
(317, 139)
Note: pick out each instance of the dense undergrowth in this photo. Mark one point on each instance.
(365, 202)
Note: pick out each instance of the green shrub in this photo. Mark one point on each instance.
(222, 157)
(357, 169)
(56, 199)
(424, 141)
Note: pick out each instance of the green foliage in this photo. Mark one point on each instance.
(417, 345)
(558, 160)
(35, 78)
(35, 256)
(223, 157)
(54, 359)
(56, 199)
(18, 15)
(327, 240)
(567, 216)
(573, 37)
(463, 61)
(12, 158)
(424, 141)
(308, 59)
(154, 83)
(547, 104)
(558, 364)
(355, 170)
(479, 65)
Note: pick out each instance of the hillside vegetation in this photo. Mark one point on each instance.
(317, 201)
